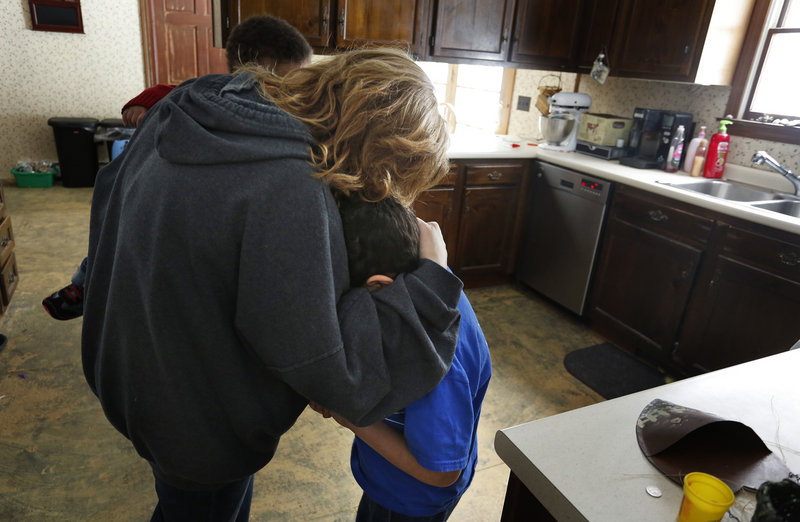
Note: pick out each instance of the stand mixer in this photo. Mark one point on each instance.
(560, 127)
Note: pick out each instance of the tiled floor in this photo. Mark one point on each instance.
(60, 460)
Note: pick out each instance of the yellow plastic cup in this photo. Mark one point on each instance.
(705, 498)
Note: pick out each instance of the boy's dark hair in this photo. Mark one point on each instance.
(381, 237)
(266, 40)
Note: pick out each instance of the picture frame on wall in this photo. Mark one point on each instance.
(63, 16)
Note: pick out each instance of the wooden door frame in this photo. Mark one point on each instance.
(148, 49)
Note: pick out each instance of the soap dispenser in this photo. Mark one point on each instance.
(717, 153)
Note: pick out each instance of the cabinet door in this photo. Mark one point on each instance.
(651, 254)
(478, 29)
(546, 33)
(313, 18)
(488, 225)
(660, 40)
(641, 289)
(384, 22)
(440, 204)
(599, 19)
(749, 305)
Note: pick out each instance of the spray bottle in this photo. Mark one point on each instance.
(717, 153)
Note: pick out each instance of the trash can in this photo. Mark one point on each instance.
(115, 135)
(77, 151)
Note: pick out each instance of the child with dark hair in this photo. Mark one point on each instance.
(265, 40)
(416, 463)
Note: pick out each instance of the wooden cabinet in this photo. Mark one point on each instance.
(472, 29)
(651, 254)
(748, 303)
(480, 212)
(343, 24)
(659, 40)
(543, 34)
(9, 275)
(548, 33)
(692, 290)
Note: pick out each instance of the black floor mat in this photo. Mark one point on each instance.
(612, 372)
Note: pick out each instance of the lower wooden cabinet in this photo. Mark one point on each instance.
(748, 303)
(9, 275)
(692, 290)
(480, 212)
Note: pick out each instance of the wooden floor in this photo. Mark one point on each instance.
(60, 459)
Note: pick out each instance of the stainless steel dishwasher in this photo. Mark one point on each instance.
(566, 213)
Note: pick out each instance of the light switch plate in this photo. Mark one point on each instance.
(523, 103)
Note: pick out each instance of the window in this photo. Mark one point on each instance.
(763, 99)
(473, 98)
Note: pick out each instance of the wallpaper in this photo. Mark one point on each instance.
(48, 74)
(620, 96)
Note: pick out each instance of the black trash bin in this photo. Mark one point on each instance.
(77, 150)
(115, 135)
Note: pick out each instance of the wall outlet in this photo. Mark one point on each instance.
(523, 103)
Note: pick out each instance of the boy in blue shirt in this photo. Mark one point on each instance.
(415, 464)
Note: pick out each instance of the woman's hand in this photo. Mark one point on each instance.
(431, 242)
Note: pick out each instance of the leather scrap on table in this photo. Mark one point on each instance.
(679, 440)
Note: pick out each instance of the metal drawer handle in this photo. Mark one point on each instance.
(4, 241)
(657, 215)
(788, 258)
(494, 175)
(11, 278)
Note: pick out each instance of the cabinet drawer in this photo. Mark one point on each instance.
(6, 239)
(781, 258)
(662, 217)
(9, 276)
(494, 174)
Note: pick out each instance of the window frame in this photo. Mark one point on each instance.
(753, 53)
(72, 5)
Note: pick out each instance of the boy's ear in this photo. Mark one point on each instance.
(378, 281)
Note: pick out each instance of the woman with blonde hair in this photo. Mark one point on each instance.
(217, 298)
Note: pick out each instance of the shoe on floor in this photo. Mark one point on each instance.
(65, 304)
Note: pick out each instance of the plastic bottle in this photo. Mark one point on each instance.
(699, 160)
(691, 150)
(717, 151)
(675, 151)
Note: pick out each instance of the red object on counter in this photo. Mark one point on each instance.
(717, 153)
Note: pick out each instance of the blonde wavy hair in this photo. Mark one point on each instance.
(374, 116)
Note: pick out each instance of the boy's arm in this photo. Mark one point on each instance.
(392, 446)
(135, 109)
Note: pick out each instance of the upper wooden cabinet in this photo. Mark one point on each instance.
(472, 29)
(659, 40)
(547, 33)
(344, 24)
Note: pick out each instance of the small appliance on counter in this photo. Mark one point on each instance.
(650, 136)
(603, 135)
(560, 128)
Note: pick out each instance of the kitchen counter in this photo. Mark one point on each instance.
(586, 465)
(501, 147)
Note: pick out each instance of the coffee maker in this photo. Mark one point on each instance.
(651, 133)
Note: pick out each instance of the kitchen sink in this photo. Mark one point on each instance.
(790, 207)
(729, 190)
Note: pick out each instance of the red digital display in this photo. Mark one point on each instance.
(593, 185)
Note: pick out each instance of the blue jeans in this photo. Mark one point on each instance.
(371, 511)
(230, 503)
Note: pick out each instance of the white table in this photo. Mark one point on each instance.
(586, 465)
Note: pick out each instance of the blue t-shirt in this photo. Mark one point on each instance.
(440, 429)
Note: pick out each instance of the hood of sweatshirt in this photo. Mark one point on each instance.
(229, 117)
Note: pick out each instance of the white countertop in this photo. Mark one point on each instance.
(500, 147)
(586, 464)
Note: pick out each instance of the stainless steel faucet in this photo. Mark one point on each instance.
(762, 158)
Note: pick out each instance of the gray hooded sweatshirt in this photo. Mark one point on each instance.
(216, 297)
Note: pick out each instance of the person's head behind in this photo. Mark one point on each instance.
(375, 118)
(268, 41)
(381, 237)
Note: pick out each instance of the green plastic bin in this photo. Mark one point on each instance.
(34, 179)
